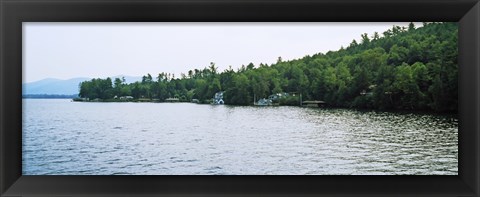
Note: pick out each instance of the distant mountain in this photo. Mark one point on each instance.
(53, 86)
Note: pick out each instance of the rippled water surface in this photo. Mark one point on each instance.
(75, 138)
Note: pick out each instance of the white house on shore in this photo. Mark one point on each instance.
(218, 99)
(126, 97)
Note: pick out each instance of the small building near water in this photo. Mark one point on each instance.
(126, 97)
(264, 102)
(172, 100)
(314, 103)
(218, 99)
(277, 96)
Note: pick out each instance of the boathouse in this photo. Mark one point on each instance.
(313, 103)
(172, 100)
(218, 99)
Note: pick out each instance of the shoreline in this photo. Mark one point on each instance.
(400, 111)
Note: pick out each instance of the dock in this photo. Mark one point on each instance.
(314, 103)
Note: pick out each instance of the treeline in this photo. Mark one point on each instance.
(404, 68)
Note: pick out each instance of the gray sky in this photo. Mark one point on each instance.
(69, 50)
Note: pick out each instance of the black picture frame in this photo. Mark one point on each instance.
(14, 12)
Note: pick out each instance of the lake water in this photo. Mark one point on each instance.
(61, 137)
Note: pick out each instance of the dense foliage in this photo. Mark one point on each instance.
(405, 68)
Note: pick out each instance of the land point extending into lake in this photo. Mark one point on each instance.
(285, 99)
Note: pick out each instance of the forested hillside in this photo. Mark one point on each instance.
(402, 68)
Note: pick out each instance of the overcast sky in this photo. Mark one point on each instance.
(69, 50)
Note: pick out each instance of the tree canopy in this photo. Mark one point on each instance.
(407, 68)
